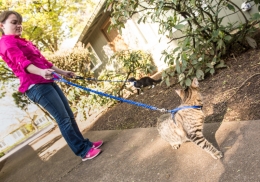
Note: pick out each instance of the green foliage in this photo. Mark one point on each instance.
(48, 22)
(5, 72)
(130, 63)
(205, 40)
(6, 77)
(76, 59)
(29, 128)
(2, 154)
(115, 86)
(20, 101)
(137, 63)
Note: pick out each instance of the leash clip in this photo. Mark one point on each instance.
(163, 110)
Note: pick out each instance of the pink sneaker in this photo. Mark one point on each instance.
(97, 144)
(91, 154)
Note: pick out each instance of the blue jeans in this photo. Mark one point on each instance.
(50, 97)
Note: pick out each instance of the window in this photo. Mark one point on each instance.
(17, 134)
(2, 145)
(114, 39)
(110, 35)
(94, 59)
(23, 130)
(40, 121)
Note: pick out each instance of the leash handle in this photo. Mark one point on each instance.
(56, 75)
(59, 78)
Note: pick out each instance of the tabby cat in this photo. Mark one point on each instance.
(187, 124)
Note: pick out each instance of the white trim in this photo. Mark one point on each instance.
(3, 145)
(41, 120)
(99, 62)
(17, 135)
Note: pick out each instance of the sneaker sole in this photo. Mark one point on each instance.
(98, 146)
(91, 157)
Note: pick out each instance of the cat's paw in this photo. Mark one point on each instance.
(217, 155)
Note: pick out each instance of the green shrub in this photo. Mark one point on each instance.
(2, 154)
(29, 127)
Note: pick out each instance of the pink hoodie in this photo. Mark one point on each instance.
(19, 53)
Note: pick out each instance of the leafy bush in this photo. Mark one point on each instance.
(204, 40)
(29, 128)
(130, 63)
(137, 63)
(2, 154)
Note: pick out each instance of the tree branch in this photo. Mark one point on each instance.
(181, 37)
(239, 10)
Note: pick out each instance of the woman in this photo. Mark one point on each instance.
(35, 74)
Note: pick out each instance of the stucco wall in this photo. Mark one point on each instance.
(231, 17)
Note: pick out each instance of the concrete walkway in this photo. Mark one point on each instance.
(141, 155)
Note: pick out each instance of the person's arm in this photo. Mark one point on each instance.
(62, 72)
(45, 73)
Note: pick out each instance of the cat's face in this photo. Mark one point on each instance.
(191, 95)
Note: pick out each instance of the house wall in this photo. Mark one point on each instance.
(10, 139)
(231, 17)
(98, 41)
(145, 37)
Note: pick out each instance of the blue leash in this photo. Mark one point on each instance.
(59, 78)
(94, 79)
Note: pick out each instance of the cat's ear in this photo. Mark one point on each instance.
(195, 83)
(178, 92)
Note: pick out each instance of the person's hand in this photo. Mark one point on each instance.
(69, 74)
(47, 73)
